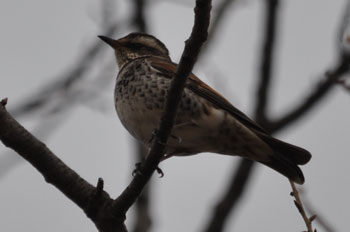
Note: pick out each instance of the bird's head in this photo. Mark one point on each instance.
(136, 45)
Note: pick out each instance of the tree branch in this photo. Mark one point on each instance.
(57, 173)
(193, 44)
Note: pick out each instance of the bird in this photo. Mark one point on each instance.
(205, 120)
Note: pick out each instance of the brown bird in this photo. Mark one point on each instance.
(205, 121)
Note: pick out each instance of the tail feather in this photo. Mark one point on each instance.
(286, 158)
(295, 155)
(282, 165)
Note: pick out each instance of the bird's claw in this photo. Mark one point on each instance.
(160, 172)
(137, 170)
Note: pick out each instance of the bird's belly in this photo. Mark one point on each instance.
(137, 118)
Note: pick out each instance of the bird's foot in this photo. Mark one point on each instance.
(137, 170)
(160, 172)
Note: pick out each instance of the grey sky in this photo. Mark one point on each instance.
(42, 38)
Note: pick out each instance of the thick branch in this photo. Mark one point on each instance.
(57, 173)
(198, 36)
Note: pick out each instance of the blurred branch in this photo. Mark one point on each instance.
(232, 195)
(193, 44)
(298, 203)
(143, 220)
(242, 175)
(319, 93)
(63, 81)
(263, 87)
(139, 19)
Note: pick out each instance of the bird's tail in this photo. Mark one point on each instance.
(286, 158)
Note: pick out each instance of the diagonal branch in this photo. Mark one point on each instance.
(231, 197)
(93, 202)
(193, 44)
(321, 91)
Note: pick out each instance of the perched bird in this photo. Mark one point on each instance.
(205, 121)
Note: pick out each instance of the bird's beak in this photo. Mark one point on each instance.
(111, 42)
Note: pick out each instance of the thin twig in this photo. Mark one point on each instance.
(319, 219)
(299, 204)
(193, 44)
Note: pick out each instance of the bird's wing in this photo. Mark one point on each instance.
(168, 69)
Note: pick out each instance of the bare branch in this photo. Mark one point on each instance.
(57, 173)
(319, 219)
(298, 203)
(193, 44)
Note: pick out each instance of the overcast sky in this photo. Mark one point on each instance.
(40, 39)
